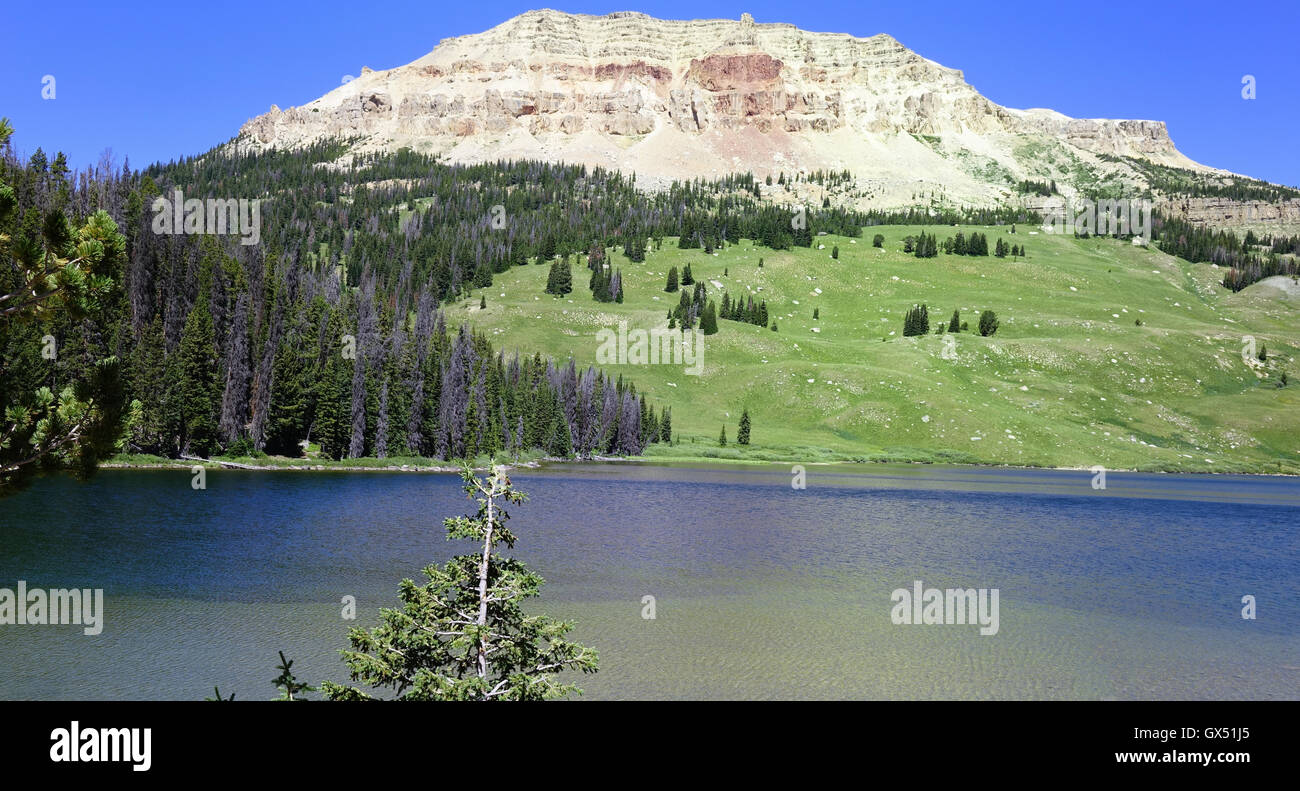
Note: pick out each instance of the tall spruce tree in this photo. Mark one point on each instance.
(464, 635)
(709, 320)
(198, 396)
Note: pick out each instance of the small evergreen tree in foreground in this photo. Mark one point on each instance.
(286, 682)
(463, 635)
(722, 438)
(742, 436)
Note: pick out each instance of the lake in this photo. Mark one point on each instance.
(760, 590)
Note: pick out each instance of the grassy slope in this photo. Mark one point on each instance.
(1068, 380)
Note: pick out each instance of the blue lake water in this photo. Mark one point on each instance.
(761, 590)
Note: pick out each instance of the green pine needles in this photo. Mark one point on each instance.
(463, 635)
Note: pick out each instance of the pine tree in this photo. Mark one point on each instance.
(334, 395)
(287, 683)
(672, 281)
(49, 270)
(954, 325)
(562, 444)
(742, 435)
(150, 384)
(199, 392)
(988, 323)
(464, 635)
(722, 438)
(687, 278)
(709, 320)
(916, 321)
(286, 425)
(634, 248)
(563, 277)
(878, 240)
(553, 279)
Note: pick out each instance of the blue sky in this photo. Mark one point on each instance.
(156, 82)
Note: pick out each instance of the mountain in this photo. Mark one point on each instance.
(671, 99)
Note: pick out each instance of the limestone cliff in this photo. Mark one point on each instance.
(680, 99)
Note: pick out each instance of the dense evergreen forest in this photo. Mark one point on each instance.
(1249, 259)
(328, 331)
(1181, 182)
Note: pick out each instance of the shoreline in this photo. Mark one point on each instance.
(679, 461)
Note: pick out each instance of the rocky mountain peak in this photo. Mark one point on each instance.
(673, 99)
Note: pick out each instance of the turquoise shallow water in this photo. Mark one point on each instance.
(761, 591)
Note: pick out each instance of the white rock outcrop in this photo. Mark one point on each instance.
(680, 99)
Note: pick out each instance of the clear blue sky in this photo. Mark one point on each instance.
(160, 81)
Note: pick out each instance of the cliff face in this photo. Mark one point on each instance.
(1227, 213)
(681, 99)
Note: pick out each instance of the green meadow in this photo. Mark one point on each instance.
(1070, 379)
